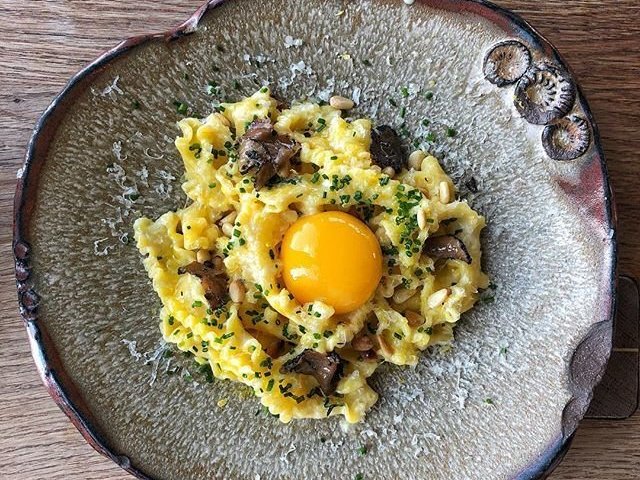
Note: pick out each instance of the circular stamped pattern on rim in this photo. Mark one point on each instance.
(566, 139)
(506, 63)
(544, 94)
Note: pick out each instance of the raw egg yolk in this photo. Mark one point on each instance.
(332, 257)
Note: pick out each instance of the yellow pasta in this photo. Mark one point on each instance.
(418, 299)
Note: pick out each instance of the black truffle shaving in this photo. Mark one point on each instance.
(326, 368)
(544, 94)
(446, 247)
(506, 62)
(566, 139)
(386, 148)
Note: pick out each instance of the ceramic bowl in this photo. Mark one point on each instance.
(503, 403)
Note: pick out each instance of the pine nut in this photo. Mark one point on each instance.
(227, 229)
(389, 171)
(444, 192)
(290, 216)
(384, 346)
(236, 291)
(203, 255)
(414, 319)
(362, 343)
(436, 299)
(341, 103)
(231, 218)
(422, 219)
(415, 159)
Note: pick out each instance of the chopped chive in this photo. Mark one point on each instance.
(428, 95)
(196, 304)
(181, 107)
(451, 132)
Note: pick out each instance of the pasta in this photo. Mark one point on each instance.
(237, 228)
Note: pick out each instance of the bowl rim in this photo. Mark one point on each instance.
(65, 393)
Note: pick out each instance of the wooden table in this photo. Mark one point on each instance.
(45, 42)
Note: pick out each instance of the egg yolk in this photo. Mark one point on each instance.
(332, 257)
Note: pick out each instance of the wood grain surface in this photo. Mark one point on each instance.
(45, 42)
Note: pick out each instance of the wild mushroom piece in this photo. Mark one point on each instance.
(272, 345)
(386, 148)
(447, 247)
(326, 368)
(215, 286)
(270, 154)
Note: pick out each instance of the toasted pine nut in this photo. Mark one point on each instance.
(231, 218)
(236, 291)
(203, 255)
(389, 171)
(376, 168)
(444, 192)
(362, 343)
(415, 159)
(341, 103)
(290, 216)
(384, 346)
(414, 319)
(422, 219)
(227, 229)
(437, 298)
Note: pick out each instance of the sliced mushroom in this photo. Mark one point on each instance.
(544, 94)
(386, 148)
(215, 286)
(266, 152)
(506, 62)
(446, 246)
(566, 139)
(326, 368)
(272, 345)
